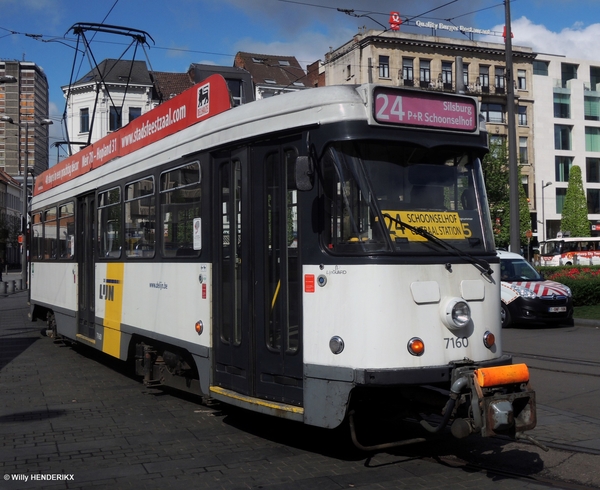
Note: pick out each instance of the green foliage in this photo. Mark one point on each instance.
(584, 282)
(496, 175)
(574, 213)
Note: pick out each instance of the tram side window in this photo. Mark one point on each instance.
(140, 218)
(50, 241)
(181, 210)
(66, 230)
(110, 223)
(37, 236)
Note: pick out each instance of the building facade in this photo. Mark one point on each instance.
(107, 98)
(437, 64)
(26, 102)
(272, 74)
(10, 218)
(567, 133)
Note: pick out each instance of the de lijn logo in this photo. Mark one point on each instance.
(107, 289)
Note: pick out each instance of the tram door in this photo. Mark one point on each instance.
(233, 312)
(257, 277)
(277, 275)
(85, 263)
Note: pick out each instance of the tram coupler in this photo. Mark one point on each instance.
(502, 401)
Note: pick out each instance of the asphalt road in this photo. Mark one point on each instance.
(72, 418)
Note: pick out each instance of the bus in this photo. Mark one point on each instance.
(320, 256)
(570, 251)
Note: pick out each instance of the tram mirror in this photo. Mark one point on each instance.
(304, 173)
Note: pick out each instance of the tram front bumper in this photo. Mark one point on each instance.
(502, 401)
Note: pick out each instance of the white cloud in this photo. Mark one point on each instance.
(574, 42)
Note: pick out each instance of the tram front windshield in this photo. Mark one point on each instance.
(382, 197)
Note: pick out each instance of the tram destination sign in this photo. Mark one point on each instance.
(424, 109)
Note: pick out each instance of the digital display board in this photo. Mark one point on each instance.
(424, 109)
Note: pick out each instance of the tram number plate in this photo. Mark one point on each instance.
(456, 342)
(557, 309)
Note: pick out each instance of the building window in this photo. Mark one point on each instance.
(499, 79)
(348, 72)
(594, 77)
(591, 108)
(592, 139)
(562, 137)
(493, 113)
(236, 91)
(484, 78)
(521, 80)
(525, 184)
(592, 170)
(115, 119)
(540, 68)
(560, 200)
(522, 115)
(562, 105)
(568, 72)
(134, 112)
(425, 73)
(447, 74)
(466, 74)
(407, 71)
(384, 67)
(593, 201)
(84, 120)
(523, 155)
(562, 167)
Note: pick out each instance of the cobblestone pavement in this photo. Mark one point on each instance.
(72, 415)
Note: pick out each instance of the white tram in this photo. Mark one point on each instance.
(312, 256)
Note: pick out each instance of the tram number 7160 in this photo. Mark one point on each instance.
(456, 342)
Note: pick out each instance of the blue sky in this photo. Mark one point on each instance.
(205, 31)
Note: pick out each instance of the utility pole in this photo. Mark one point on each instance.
(513, 169)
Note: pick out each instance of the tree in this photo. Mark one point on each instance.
(495, 173)
(574, 213)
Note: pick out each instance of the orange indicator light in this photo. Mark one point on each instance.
(199, 327)
(416, 346)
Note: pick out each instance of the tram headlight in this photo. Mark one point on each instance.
(456, 313)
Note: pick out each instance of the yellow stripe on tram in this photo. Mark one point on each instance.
(113, 309)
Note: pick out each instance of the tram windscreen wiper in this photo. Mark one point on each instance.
(480, 264)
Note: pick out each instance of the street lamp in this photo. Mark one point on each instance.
(543, 214)
(24, 197)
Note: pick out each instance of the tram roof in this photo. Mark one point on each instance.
(227, 125)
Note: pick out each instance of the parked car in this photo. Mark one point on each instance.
(528, 298)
